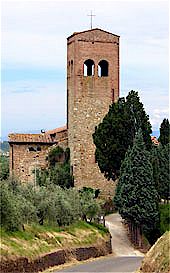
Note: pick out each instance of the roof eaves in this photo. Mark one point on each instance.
(89, 30)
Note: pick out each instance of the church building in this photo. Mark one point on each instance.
(92, 85)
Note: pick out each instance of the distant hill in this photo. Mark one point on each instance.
(4, 146)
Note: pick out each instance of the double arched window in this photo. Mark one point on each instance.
(89, 68)
(103, 68)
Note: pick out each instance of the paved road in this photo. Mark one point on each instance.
(121, 246)
(125, 258)
(107, 264)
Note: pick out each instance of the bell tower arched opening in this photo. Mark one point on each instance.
(103, 68)
(88, 68)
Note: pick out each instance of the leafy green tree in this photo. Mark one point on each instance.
(112, 139)
(10, 213)
(56, 155)
(59, 171)
(164, 132)
(4, 167)
(60, 175)
(136, 197)
(90, 207)
(50, 204)
(116, 132)
(16, 210)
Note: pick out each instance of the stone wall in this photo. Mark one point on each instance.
(23, 163)
(89, 98)
(27, 158)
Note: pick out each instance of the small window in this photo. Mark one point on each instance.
(103, 68)
(34, 149)
(71, 66)
(31, 149)
(89, 68)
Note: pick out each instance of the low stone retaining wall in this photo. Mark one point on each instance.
(56, 258)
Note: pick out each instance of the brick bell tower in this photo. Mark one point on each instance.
(92, 85)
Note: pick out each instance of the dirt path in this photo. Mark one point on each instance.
(121, 245)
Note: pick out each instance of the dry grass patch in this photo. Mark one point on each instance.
(37, 240)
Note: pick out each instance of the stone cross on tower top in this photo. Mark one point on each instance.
(91, 19)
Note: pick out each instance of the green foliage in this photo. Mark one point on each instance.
(53, 205)
(89, 206)
(5, 146)
(60, 175)
(59, 172)
(100, 227)
(140, 120)
(112, 139)
(56, 155)
(164, 181)
(36, 240)
(10, 210)
(108, 207)
(160, 164)
(4, 167)
(164, 132)
(164, 217)
(15, 208)
(94, 192)
(116, 132)
(136, 197)
(155, 159)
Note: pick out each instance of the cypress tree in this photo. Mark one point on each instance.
(164, 132)
(116, 132)
(138, 198)
(140, 120)
(160, 164)
(112, 139)
(164, 181)
(155, 161)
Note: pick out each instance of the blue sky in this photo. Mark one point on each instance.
(33, 79)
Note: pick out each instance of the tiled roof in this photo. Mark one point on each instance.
(154, 140)
(38, 138)
(91, 30)
(56, 130)
(31, 138)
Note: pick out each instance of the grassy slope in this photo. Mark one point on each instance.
(37, 240)
(157, 258)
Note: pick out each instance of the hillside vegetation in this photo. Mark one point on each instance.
(157, 259)
(37, 240)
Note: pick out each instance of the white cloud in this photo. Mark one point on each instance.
(43, 107)
(34, 37)
(33, 50)
(34, 33)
